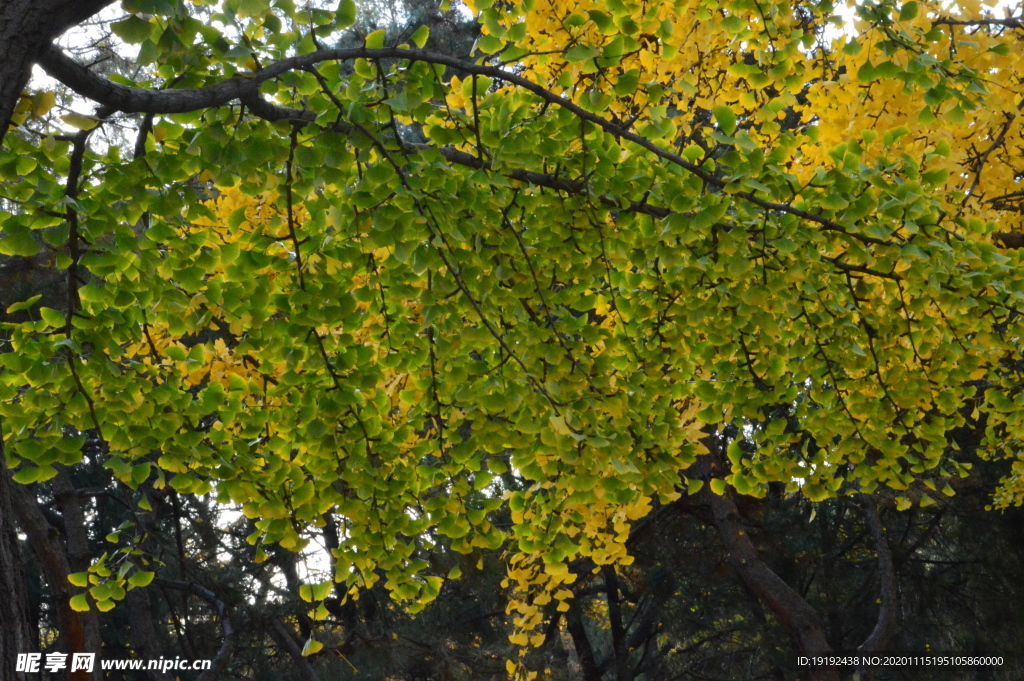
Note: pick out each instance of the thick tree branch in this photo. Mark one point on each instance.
(140, 100)
(246, 88)
(1009, 22)
(1009, 239)
(27, 27)
(68, 13)
(792, 611)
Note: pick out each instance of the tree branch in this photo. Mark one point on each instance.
(1009, 239)
(246, 88)
(793, 612)
(1009, 22)
(286, 639)
(879, 637)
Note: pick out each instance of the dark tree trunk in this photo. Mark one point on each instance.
(22, 37)
(789, 607)
(792, 611)
(76, 541)
(27, 27)
(15, 634)
(581, 642)
(53, 560)
(143, 632)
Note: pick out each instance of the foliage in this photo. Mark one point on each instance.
(381, 294)
(685, 611)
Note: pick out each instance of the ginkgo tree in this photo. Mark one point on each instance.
(370, 281)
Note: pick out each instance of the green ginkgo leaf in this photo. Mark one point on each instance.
(346, 15)
(419, 38)
(726, 119)
(375, 40)
(312, 647)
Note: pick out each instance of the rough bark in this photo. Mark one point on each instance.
(15, 634)
(27, 28)
(794, 613)
(22, 39)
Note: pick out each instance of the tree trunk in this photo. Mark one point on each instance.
(140, 614)
(792, 611)
(21, 39)
(54, 562)
(76, 541)
(27, 27)
(15, 634)
(581, 642)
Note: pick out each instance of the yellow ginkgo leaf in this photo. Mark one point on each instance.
(312, 647)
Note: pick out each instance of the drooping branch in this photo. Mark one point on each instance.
(246, 89)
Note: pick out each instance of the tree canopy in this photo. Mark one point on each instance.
(618, 254)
